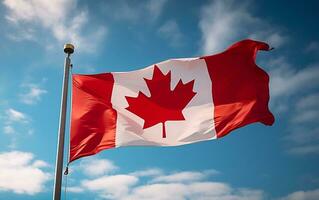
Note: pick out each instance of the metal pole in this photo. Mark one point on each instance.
(68, 49)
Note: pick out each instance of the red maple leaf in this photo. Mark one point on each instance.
(164, 104)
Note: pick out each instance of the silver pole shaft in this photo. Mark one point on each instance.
(60, 151)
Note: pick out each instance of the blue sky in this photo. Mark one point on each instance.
(254, 162)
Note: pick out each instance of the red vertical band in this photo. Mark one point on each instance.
(93, 120)
(240, 88)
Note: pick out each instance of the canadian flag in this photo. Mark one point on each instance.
(175, 102)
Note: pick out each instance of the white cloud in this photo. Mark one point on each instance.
(303, 135)
(40, 164)
(304, 130)
(97, 167)
(8, 129)
(32, 95)
(13, 143)
(185, 176)
(148, 11)
(15, 122)
(304, 150)
(15, 116)
(225, 22)
(21, 174)
(63, 18)
(306, 110)
(148, 172)
(155, 184)
(312, 47)
(196, 191)
(309, 102)
(306, 116)
(75, 189)
(155, 7)
(111, 187)
(292, 89)
(303, 195)
(269, 35)
(170, 31)
(286, 80)
(25, 33)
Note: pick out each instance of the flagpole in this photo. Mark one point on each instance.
(68, 49)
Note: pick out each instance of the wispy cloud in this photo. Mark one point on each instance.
(293, 92)
(8, 129)
(96, 167)
(111, 187)
(15, 116)
(303, 195)
(158, 184)
(64, 20)
(21, 173)
(196, 191)
(185, 176)
(286, 80)
(16, 122)
(171, 32)
(155, 7)
(306, 116)
(155, 183)
(75, 189)
(25, 33)
(224, 22)
(304, 149)
(148, 172)
(148, 11)
(307, 109)
(308, 102)
(32, 94)
(301, 134)
(304, 129)
(312, 47)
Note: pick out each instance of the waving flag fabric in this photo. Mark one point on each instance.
(175, 102)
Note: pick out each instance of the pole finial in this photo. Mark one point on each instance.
(68, 48)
